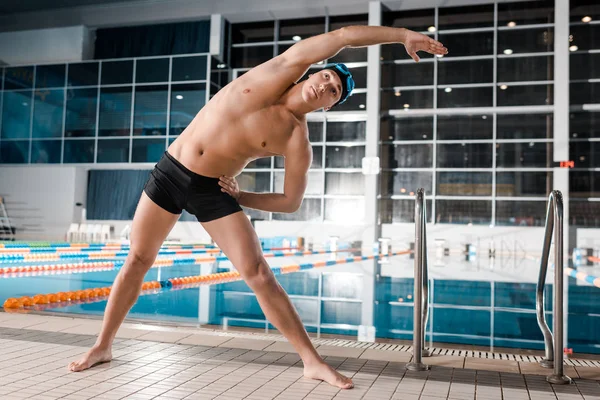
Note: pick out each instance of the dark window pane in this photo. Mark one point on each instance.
(396, 211)
(415, 20)
(186, 102)
(407, 156)
(81, 112)
(115, 111)
(344, 157)
(14, 151)
(469, 127)
(189, 68)
(528, 95)
(419, 128)
(584, 213)
(465, 97)
(523, 184)
(393, 182)
(249, 57)
(315, 182)
(526, 40)
(117, 72)
(462, 293)
(150, 118)
(255, 181)
(524, 126)
(464, 183)
(147, 150)
(415, 74)
(346, 131)
(317, 161)
(315, 131)
(478, 212)
(468, 44)
(344, 183)
(356, 102)
(456, 72)
(46, 151)
(18, 78)
(252, 32)
(265, 162)
(337, 22)
(303, 28)
(585, 154)
(584, 66)
(584, 184)
(526, 12)
(310, 210)
(399, 100)
(391, 52)
(359, 74)
(521, 213)
(511, 69)
(48, 113)
(47, 76)
(152, 70)
(345, 210)
(83, 74)
(348, 55)
(465, 155)
(514, 155)
(584, 93)
(583, 8)
(78, 151)
(113, 150)
(16, 115)
(586, 37)
(584, 124)
(466, 17)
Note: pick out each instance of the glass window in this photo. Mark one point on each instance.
(406, 99)
(150, 117)
(186, 102)
(582, 8)
(468, 127)
(81, 112)
(315, 131)
(524, 126)
(468, 44)
(117, 72)
(584, 93)
(586, 37)
(317, 161)
(255, 181)
(50, 76)
(83, 74)
(18, 78)
(250, 57)
(584, 184)
(46, 151)
(521, 213)
(404, 183)
(48, 113)
(414, 74)
(418, 128)
(252, 32)
(465, 97)
(391, 52)
(526, 41)
(344, 156)
(584, 66)
(346, 131)
(349, 55)
(147, 150)
(407, 156)
(464, 183)
(14, 151)
(526, 12)
(315, 182)
(585, 154)
(415, 20)
(584, 213)
(152, 70)
(359, 74)
(477, 212)
(115, 111)
(457, 72)
(466, 17)
(344, 183)
(356, 102)
(16, 115)
(297, 29)
(310, 210)
(113, 150)
(523, 184)
(528, 95)
(265, 163)
(397, 211)
(464, 155)
(511, 69)
(345, 211)
(515, 155)
(78, 151)
(584, 124)
(189, 68)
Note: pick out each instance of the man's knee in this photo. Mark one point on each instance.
(258, 275)
(137, 263)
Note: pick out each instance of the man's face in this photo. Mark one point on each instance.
(322, 89)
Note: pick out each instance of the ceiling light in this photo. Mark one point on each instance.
(220, 66)
(439, 55)
(511, 24)
(397, 94)
(431, 29)
(179, 97)
(296, 38)
(508, 52)
(448, 90)
(484, 117)
(503, 87)
(573, 48)
(402, 190)
(361, 106)
(586, 19)
(406, 105)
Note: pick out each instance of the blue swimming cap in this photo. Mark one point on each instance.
(346, 77)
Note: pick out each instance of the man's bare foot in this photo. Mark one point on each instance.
(322, 371)
(92, 357)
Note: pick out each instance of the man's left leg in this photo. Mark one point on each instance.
(237, 239)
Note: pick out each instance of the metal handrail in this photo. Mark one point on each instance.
(553, 348)
(421, 288)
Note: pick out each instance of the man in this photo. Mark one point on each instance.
(260, 114)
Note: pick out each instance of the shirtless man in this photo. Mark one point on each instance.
(260, 114)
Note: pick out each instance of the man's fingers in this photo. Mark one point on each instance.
(414, 56)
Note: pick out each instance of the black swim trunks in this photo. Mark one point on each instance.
(174, 188)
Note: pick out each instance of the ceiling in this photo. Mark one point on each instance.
(8, 7)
